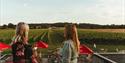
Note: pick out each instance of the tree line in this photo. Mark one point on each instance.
(80, 25)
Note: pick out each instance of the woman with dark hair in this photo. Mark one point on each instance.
(70, 48)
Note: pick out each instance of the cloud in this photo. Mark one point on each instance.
(25, 4)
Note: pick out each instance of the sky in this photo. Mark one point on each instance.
(52, 11)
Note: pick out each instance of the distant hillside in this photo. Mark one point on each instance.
(80, 25)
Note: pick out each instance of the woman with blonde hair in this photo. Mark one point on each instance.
(70, 48)
(22, 52)
(21, 33)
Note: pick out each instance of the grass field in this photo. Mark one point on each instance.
(54, 37)
(106, 30)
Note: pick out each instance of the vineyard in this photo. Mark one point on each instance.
(104, 38)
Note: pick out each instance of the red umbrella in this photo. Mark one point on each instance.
(4, 46)
(41, 44)
(85, 50)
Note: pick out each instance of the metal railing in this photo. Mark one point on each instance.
(97, 58)
(4, 58)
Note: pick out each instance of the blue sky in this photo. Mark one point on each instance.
(51, 11)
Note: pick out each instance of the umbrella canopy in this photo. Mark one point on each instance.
(85, 50)
(41, 44)
(4, 46)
